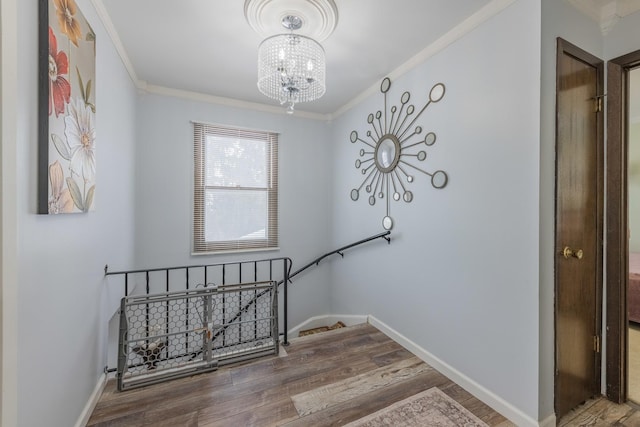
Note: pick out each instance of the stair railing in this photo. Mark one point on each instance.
(231, 273)
(287, 279)
(340, 251)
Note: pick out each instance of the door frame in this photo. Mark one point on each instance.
(617, 225)
(565, 47)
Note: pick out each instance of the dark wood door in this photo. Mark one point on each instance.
(617, 223)
(578, 259)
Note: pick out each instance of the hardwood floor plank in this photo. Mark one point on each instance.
(300, 357)
(601, 413)
(120, 404)
(291, 379)
(332, 337)
(353, 364)
(389, 357)
(213, 379)
(129, 420)
(564, 421)
(110, 390)
(320, 398)
(266, 415)
(336, 342)
(351, 371)
(632, 420)
(184, 420)
(365, 404)
(295, 369)
(217, 409)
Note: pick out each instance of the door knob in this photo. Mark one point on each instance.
(567, 252)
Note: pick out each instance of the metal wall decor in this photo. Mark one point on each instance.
(392, 144)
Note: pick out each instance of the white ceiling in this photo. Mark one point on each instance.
(606, 12)
(207, 46)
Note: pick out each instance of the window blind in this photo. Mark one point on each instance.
(235, 189)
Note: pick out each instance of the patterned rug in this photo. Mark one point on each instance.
(430, 408)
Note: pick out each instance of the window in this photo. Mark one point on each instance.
(236, 189)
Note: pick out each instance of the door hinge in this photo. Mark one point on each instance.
(596, 343)
(598, 103)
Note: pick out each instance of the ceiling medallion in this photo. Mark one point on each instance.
(319, 17)
(392, 145)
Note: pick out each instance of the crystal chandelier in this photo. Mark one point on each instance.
(291, 67)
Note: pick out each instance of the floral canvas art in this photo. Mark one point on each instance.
(67, 108)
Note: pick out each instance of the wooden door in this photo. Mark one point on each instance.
(617, 224)
(578, 255)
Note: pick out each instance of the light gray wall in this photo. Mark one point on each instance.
(461, 275)
(8, 217)
(61, 323)
(164, 183)
(559, 19)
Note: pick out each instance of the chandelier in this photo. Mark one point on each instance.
(291, 67)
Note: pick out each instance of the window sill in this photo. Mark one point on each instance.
(235, 251)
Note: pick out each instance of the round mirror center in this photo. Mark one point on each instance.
(387, 153)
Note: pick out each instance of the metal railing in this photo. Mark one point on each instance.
(340, 251)
(191, 277)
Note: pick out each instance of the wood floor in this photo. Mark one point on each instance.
(602, 412)
(326, 379)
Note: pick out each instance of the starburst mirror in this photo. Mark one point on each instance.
(393, 148)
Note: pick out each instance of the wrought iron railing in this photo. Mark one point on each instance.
(340, 251)
(278, 270)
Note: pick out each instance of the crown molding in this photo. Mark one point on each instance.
(144, 87)
(115, 39)
(607, 13)
(456, 33)
(228, 102)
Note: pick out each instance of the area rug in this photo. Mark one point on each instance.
(431, 408)
(321, 329)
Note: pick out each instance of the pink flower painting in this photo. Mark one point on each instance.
(60, 200)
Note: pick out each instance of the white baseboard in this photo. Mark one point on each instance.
(92, 402)
(326, 320)
(550, 421)
(514, 414)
